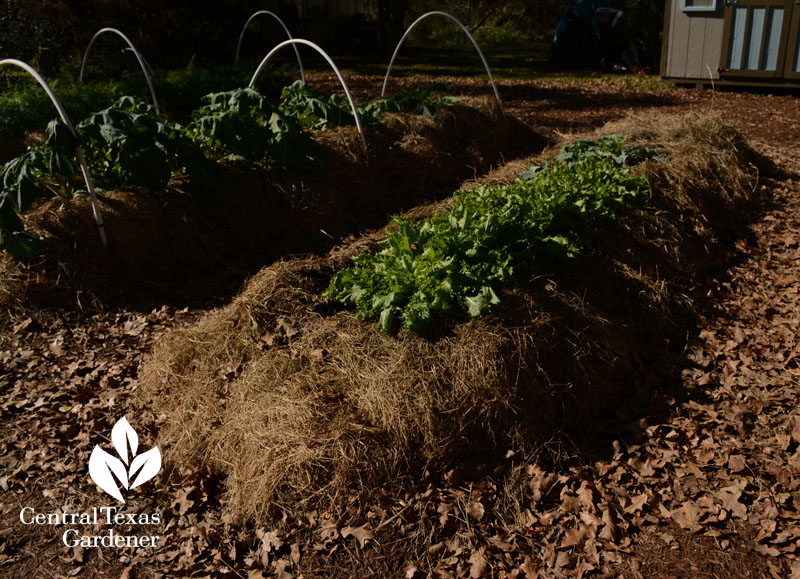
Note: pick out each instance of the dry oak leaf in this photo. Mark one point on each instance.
(281, 572)
(729, 497)
(610, 531)
(586, 495)
(575, 538)
(642, 467)
(478, 566)
(796, 429)
(637, 503)
(541, 483)
(562, 560)
(362, 534)
(529, 568)
(768, 528)
(766, 550)
(444, 510)
(569, 502)
(736, 463)
(687, 516)
(182, 502)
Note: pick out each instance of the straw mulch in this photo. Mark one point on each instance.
(297, 404)
(166, 247)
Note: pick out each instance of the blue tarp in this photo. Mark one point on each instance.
(592, 33)
(583, 11)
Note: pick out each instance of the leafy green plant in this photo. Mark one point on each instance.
(13, 239)
(503, 37)
(24, 179)
(126, 144)
(181, 90)
(26, 107)
(243, 126)
(423, 102)
(459, 260)
(312, 110)
(610, 146)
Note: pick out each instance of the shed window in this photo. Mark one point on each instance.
(698, 5)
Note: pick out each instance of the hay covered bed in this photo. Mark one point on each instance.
(295, 403)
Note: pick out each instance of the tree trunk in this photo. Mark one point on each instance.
(391, 23)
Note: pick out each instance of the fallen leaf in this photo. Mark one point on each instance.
(736, 463)
(362, 534)
(475, 509)
(575, 538)
(766, 550)
(477, 564)
(182, 501)
(729, 497)
(281, 572)
(636, 504)
(687, 516)
(667, 538)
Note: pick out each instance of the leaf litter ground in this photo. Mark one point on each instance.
(706, 485)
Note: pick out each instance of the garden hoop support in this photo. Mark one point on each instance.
(472, 39)
(335, 68)
(144, 60)
(98, 217)
(285, 28)
(135, 54)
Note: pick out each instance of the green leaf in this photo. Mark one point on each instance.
(458, 259)
(531, 173)
(9, 220)
(20, 244)
(389, 320)
(61, 139)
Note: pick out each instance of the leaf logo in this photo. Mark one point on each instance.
(104, 467)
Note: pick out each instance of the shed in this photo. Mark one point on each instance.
(744, 42)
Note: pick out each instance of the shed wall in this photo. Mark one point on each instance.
(694, 42)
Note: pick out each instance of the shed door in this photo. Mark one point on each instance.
(792, 61)
(756, 38)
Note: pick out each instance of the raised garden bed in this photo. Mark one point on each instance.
(163, 244)
(297, 404)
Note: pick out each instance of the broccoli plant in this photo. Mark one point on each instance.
(243, 126)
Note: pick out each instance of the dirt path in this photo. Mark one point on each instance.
(707, 488)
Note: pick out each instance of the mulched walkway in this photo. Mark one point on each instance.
(706, 487)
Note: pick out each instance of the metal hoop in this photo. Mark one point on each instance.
(285, 28)
(333, 66)
(472, 39)
(135, 54)
(98, 217)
